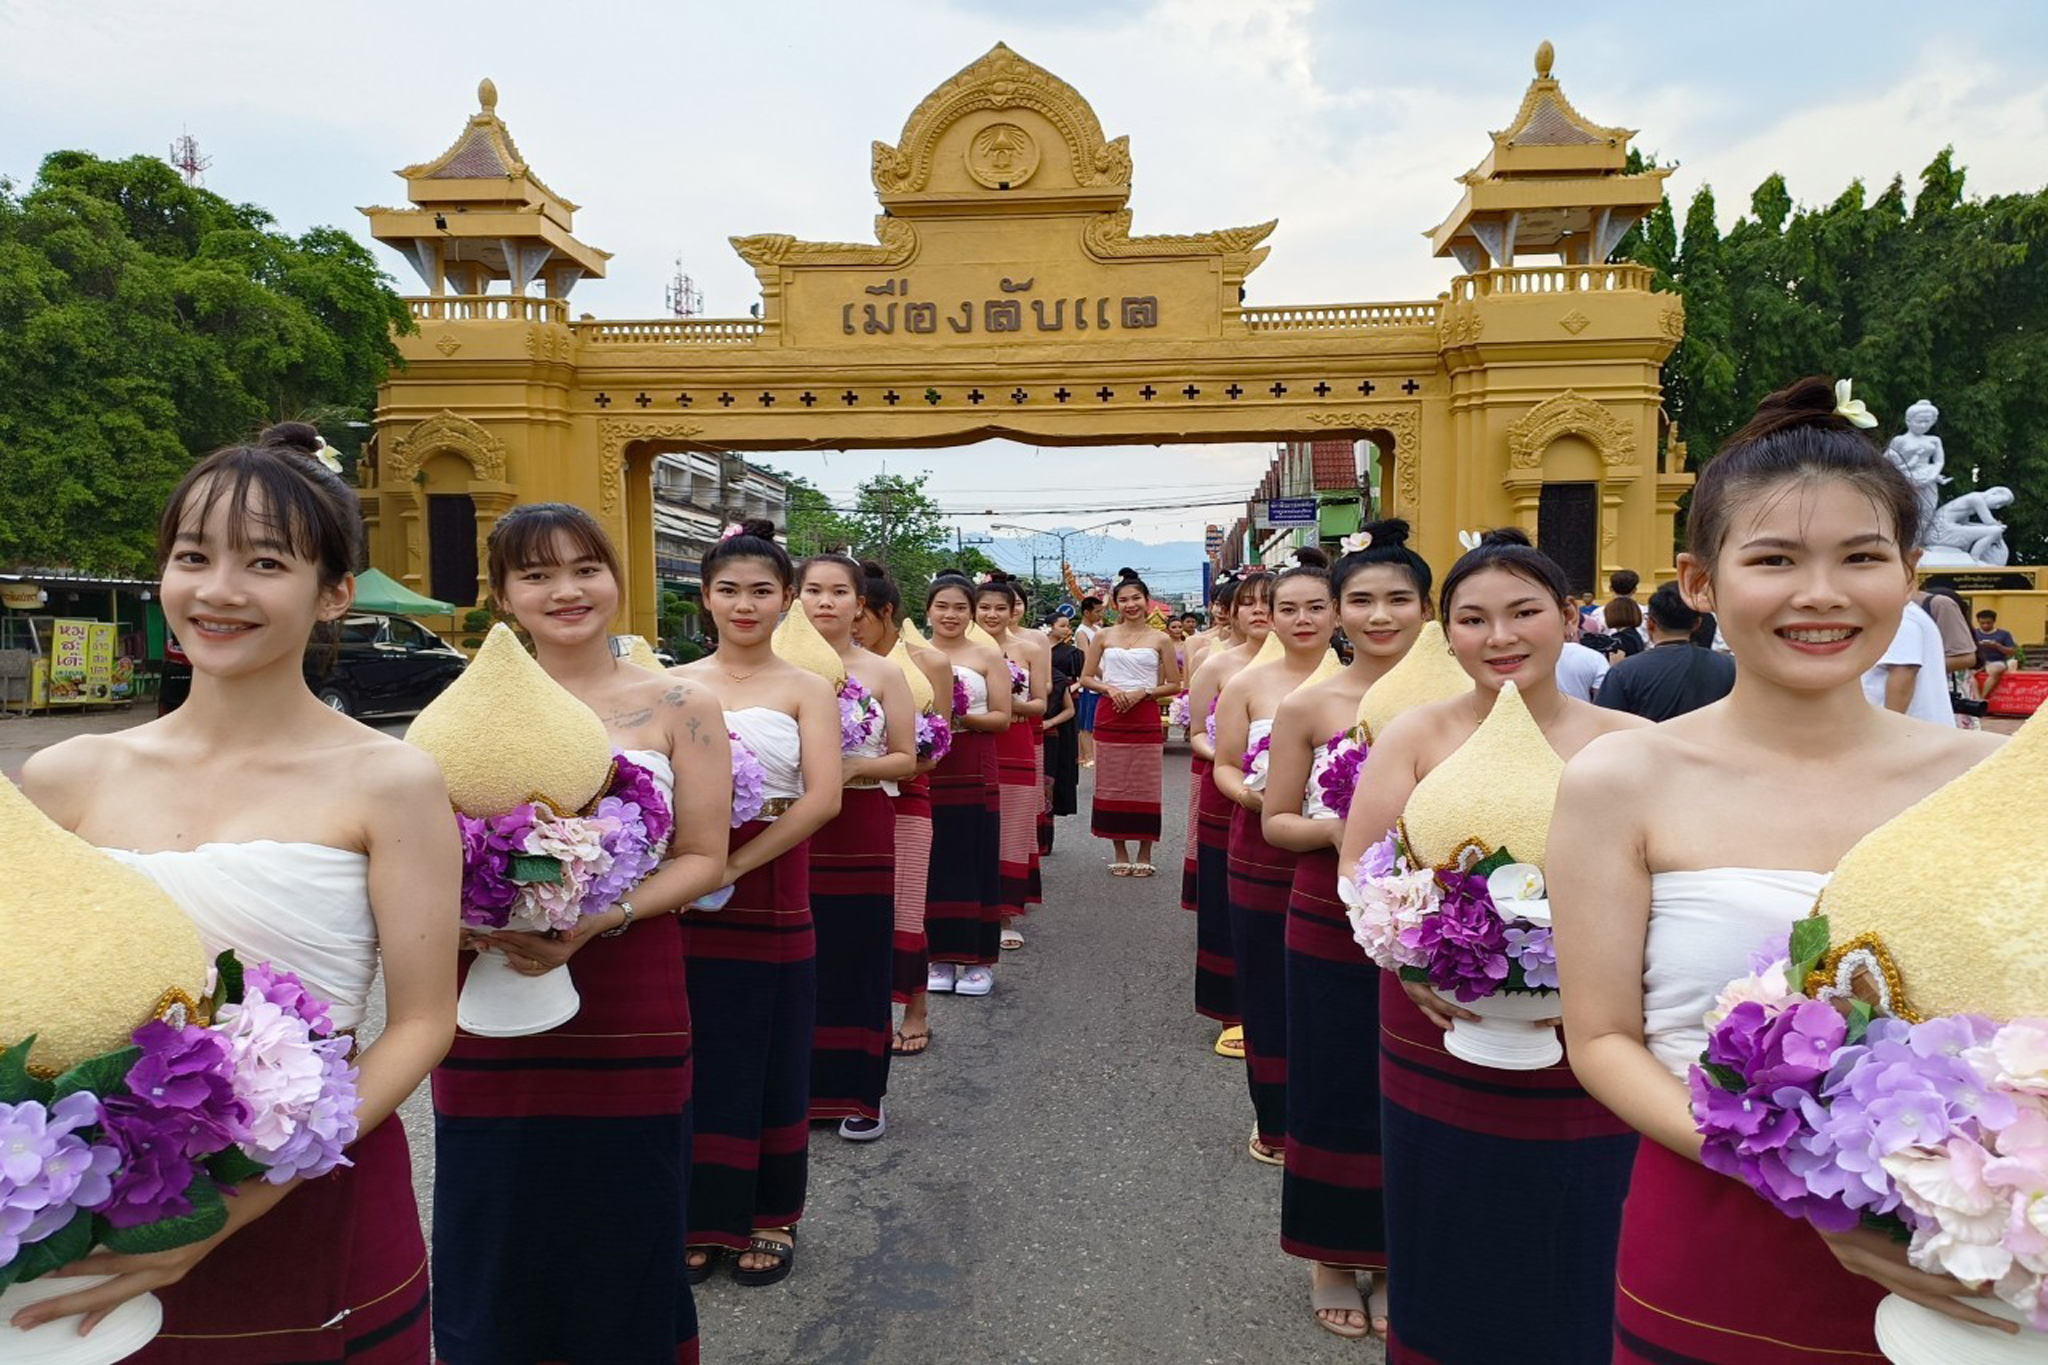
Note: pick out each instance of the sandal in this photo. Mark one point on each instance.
(1230, 1043)
(783, 1252)
(900, 1043)
(1119, 869)
(1143, 869)
(1011, 938)
(697, 1274)
(1342, 1297)
(1376, 1305)
(1260, 1152)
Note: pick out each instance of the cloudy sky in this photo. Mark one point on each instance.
(678, 124)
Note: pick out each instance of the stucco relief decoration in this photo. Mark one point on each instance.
(1001, 80)
(1673, 319)
(896, 237)
(445, 431)
(1460, 326)
(1569, 414)
(547, 343)
(1002, 156)
(1108, 235)
(1405, 426)
(614, 435)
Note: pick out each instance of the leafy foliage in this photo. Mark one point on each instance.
(893, 521)
(1941, 296)
(142, 322)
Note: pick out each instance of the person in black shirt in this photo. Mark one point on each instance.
(1674, 675)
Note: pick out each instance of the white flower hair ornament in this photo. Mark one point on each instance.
(1355, 542)
(324, 453)
(1850, 409)
(1470, 539)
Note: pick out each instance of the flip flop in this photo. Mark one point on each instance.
(1341, 1298)
(1230, 1043)
(899, 1043)
(1119, 869)
(785, 1260)
(1143, 869)
(1263, 1154)
(1011, 938)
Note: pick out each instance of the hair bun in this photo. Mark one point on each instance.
(1507, 535)
(872, 569)
(1808, 402)
(759, 527)
(1126, 573)
(300, 437)
(1389, 534)
(1312, 557)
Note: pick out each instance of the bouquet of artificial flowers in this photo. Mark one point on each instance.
(132, 1149)
(1020, 679)
(961, 700)
(934, 737)
(860, 716)
(1336, 771)
(1256, 760)
(1177, 711)
(1470, 934)
(749, 782)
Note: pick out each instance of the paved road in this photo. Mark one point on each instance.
(1064, 1181)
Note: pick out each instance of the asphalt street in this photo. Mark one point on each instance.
(1064, 1179)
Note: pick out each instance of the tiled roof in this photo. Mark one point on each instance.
(1333, 464)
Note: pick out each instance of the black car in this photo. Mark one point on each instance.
(384, 666)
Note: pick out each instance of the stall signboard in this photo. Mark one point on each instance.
(21, 596)
(99, 661)
(70, 642)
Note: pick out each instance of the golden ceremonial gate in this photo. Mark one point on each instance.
(1005, 295)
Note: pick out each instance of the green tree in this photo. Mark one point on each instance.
(143, 322)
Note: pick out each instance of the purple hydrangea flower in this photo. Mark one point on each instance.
(1020, 679)
(298, 1089)
(1380, 859)
(860, 716)
(1251, 755)
(749, 782)
(934, 738)
(488, 891)
(961, 699)
(149, 1183)
(184, 1085)
(629, 854)
(1464, 941)
(1339, 777)
(636, 786)
(1532, 950)
(1209, 725)
(288, 993)
(47, 1171)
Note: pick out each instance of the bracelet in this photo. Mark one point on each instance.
(624, 924)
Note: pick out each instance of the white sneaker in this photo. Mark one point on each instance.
(975, 981)
(939, 977)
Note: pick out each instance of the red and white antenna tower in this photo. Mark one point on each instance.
(684, 298)
(185, 158)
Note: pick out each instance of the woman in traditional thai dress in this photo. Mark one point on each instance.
(1130, 665)
(1693, 844)
(879, 628)
(1198, 740)
(616, 1076)
(1062, 733)
(1492, 1176)
(1330, 1205)
(232, 804)
(964, 908)
(1249, 602)
(753, 963)
(853, 868)
(1261, 876)
(996, 604)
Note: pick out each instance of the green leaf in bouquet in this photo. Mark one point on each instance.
(209, 1215)
(1724, 1076)
(104, 1075)
(16, 1084)
(233, 1166)
(1491, 863)
(1890, 1224)
(1809, 944)
(1860, 1014)
(67, 1244)
(227, 980)
(529, 869)
(1416, 974)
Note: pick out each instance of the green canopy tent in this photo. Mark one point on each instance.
(379, 591)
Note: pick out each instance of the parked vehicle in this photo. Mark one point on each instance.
(383, 666)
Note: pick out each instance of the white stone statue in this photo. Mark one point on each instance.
(1920, 458)
(1967, 531)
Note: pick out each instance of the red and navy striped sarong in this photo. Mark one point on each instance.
(1215, 961)
(1198, 777)
(1045, 818)
(753, 994)
(355, 1292)
(1330, 1207)
(1129, 749)
(1018, 803)
(1705, 1275)
(913, 803)
(853, 904)
(615, 1078)
(1261, 877)
(1495, 1177)
(963, 910)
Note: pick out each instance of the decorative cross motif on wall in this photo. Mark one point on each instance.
(1410, 386)
(603, 400)
(1366, 386)
(767, 399)
(1278, 390)
(725, 400)
(683, 400)
(892, 398)
(1018, 395)
(1105, 393)
(1235, 391)
(849, 398)
(643, 400)
(976, 397)
(1148, 393)
(1061, 393)
(1321, 390)
(1191, 393)
(807, 398)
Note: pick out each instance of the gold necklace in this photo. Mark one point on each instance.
(740, 677)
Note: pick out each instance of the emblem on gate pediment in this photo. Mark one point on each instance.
(1002, 156)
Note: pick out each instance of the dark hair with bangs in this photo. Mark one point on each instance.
(846, 564)
(1254, 589)
(277, 491)
(1506, 548)
(1796, 435)
(999, 584)
(949, 578)
(1389, 547)
(525, 538)
(755, 539)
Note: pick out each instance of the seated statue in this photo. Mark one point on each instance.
(1969, 524)
(1920, 458)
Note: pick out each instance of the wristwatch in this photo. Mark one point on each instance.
(624, 924)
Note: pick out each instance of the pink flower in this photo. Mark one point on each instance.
(1963, 1219)
(2016, 1058)
(1767, 987)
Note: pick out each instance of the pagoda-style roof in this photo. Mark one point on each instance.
(482, 208)
(1560, 177)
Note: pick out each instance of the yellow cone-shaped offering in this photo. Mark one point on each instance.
(1907, 934)
(95, 949)
(1495, 792)
(920, 686)
(797, 641)
(982, 637)
(1271, 652)
(912, 636)
(1426, 674)
(639, 652)
(505, 733)
(1332, 664)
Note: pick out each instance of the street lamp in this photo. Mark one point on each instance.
(1061, 536)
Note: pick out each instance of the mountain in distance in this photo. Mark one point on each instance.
(1169, 568)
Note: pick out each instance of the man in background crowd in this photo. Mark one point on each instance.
(1674, 675)
(1995, 649)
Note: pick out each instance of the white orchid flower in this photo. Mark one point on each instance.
(324, 453)
(1851, 409)
(1470, 539)
(1352, 544)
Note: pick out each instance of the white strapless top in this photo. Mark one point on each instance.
(977, 689)
(1130, 670)
(1255, 780)
(777, 742)
(875, 748)
(1312, 804)
(304, 908)
(1703, 927)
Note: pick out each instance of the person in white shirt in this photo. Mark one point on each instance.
(1580, 668)
(1910, 678)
